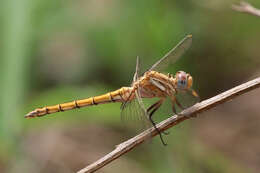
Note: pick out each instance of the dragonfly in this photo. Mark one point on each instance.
(153, 83)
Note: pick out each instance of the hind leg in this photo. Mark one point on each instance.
(151, 110)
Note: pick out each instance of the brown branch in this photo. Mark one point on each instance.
(172, 121)
(245, 7)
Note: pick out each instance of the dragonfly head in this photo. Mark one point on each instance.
(183, 80)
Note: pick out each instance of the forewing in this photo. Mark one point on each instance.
(133, 111)
(173, 55)
(137, 69)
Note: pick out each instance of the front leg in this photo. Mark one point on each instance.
(175, 101)
(179, 104)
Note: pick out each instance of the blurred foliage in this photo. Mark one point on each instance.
(54, 51)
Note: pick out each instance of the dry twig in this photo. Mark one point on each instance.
(174, 120)
(245, 7)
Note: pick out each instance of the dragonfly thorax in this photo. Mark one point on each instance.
(156, 84)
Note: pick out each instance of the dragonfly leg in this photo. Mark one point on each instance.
(173, 108)
(153, 109)
(127, 100)
(154, 106)
(174, 100)
(154, 125)
(179, 104)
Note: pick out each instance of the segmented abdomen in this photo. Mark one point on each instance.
(119, 95)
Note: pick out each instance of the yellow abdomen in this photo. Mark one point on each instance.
(119, 95)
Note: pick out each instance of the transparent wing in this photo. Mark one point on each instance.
(133, 116)
(137, 69)
(173, 55)
(133, 111)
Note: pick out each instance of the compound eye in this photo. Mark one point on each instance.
(181, 77)
(182, 84)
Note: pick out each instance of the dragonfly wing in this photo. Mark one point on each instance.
(137, 69)
(135, 78)
(133, 112)
(145, 117)
(173, 55)
(133, 116)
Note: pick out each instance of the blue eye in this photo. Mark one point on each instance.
(182, 84)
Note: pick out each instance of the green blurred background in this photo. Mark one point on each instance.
(53, 51)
